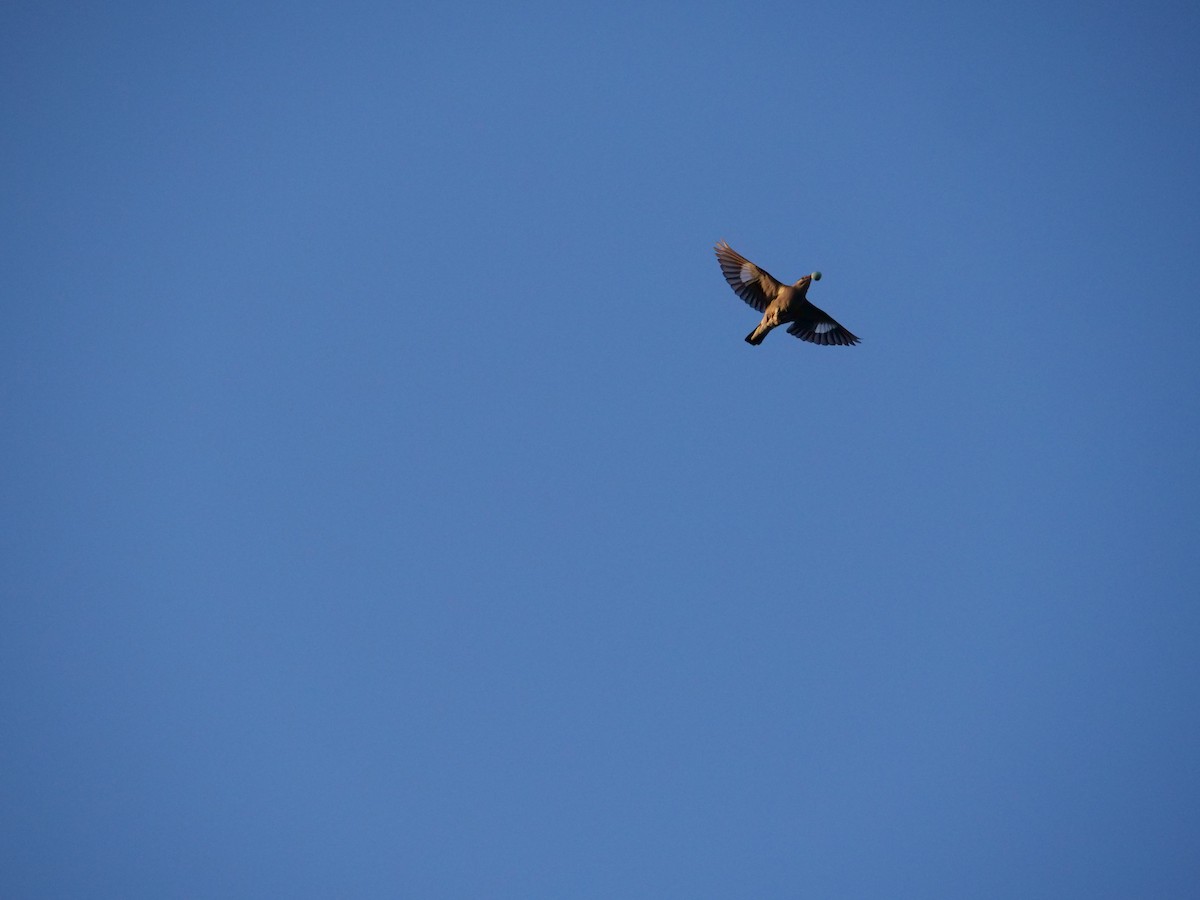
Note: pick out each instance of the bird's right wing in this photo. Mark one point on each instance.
(752, 284)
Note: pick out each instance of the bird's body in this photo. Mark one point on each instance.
(780, 303)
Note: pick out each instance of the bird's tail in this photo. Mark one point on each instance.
(756, 336)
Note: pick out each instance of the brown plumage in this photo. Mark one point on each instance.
(780, 303)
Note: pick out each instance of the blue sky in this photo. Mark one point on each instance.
(392, 508)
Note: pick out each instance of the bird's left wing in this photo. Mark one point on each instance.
(752, 284)
(817, 326)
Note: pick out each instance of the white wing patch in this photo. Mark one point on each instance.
(748, 273)
(824, 328)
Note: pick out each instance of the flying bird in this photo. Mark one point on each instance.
(780, 303)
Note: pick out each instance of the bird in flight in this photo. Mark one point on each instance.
(780, 303)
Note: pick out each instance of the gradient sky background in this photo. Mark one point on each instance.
(392, 508)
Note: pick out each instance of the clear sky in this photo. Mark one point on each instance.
(390, 506)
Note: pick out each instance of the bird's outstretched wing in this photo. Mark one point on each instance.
(817, 326)
(752, 284)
